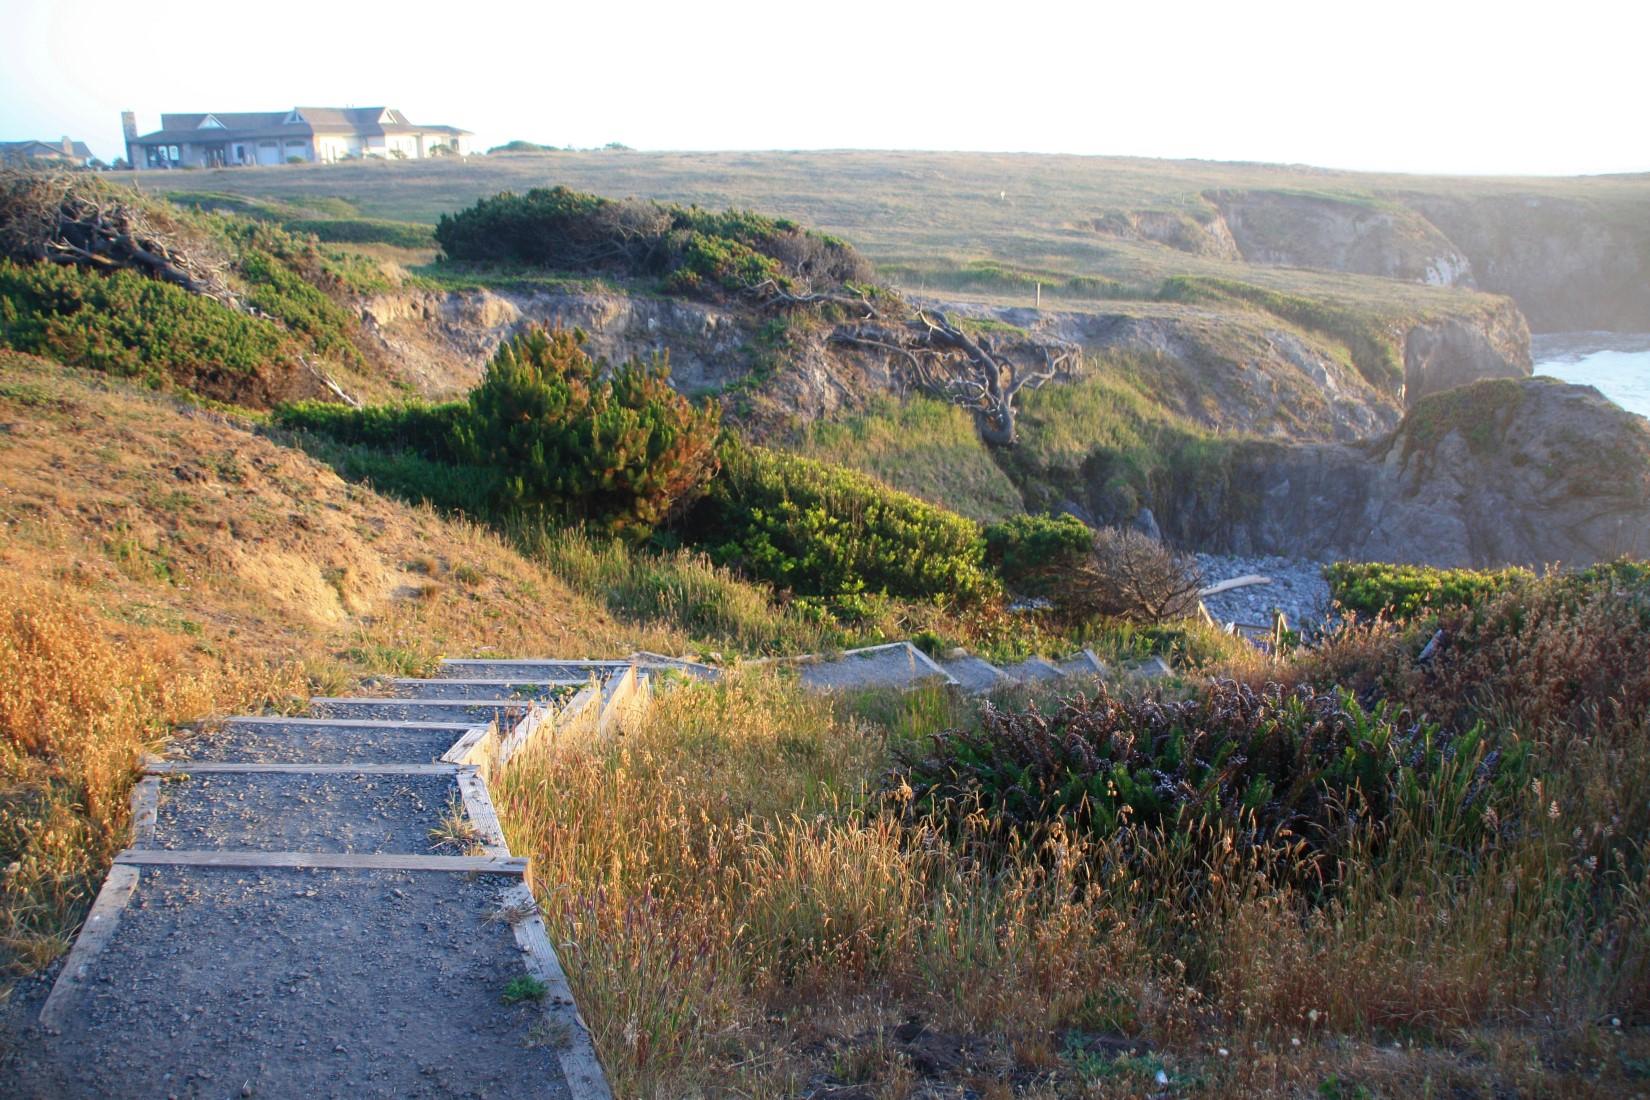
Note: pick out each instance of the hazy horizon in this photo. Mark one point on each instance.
(1465, 89)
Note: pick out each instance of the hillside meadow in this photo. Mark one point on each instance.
(979, 226)
(1339, 870)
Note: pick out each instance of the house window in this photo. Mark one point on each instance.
(210, 123)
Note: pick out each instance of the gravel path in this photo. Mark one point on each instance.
(479, 689)
(883, 666)
(298, 742)
(386, 977)
(469, 711)
(302, 984)
(238, 811)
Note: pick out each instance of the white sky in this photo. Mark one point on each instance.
(1442, 86)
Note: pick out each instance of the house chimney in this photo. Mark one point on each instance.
(128, 124)
(68, 147)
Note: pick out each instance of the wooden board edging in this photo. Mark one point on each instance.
(348, 723)
(93, 938)
(186, 767)
(580, 1065)
(334, 861)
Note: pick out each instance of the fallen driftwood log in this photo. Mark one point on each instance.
(1235, 582)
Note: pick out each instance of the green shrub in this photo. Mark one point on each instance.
(450, 487)
(520, 146)
(821, 530)
(1025, 550)
(287, 278)
(1404, 592)
(619, 448)
(129, 325)
(686, 247)
(432, 431)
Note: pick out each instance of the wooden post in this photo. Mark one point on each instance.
(1039, 296)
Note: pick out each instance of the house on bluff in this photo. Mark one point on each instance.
(55, 154)
(227, 138)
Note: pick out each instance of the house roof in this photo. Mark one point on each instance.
(32, 148)
(299, 122)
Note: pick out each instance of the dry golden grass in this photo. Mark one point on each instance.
(82, 698)
(739, 919)
(160, 564)
(194, 521)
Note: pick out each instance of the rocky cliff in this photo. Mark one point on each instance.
(1506, 472)
(1442, 353)
(1340, 233)
(450, 335)
(1234, 371)
(1571, 265)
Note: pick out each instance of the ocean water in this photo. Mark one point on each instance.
(1618, 363)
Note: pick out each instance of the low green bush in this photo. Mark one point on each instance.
(447, 486)
(1404, 592)
(1026, 550)
(137, 327)
(287, 277)
(822, 530)
(428, 430)
(686, 247)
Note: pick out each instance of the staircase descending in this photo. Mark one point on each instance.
(326, 906)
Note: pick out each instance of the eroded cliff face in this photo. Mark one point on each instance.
(1527, 473)
(1455, 351)
(1202, 232)
(1335, 233)
(448, 337)
(1572, 266)
(1239, 372)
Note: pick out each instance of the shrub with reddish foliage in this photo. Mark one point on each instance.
(1293, 768)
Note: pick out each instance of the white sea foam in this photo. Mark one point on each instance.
(1617, 363)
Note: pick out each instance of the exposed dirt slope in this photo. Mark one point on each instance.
(195, 523)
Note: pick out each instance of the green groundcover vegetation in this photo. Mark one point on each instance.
(685, 247)
(554, 434)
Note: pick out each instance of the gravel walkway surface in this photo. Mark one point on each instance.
(237, 811)
(884, 666)
(479, 689)
(300, 742)
(302, 984)
(473, 712)
(220, 961)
